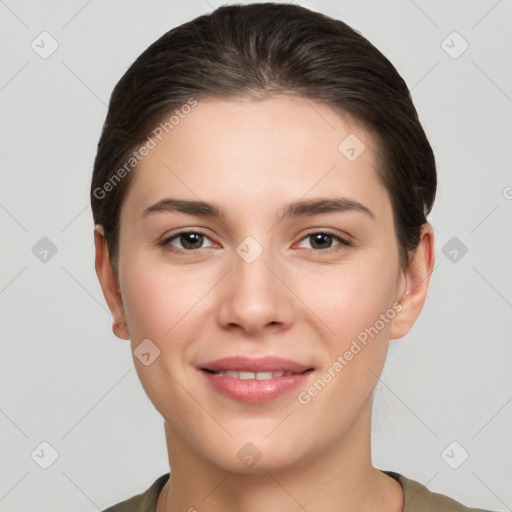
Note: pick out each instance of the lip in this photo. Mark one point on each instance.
(255, 391)
(261, 364)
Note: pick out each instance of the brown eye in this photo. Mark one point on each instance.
(188, 241)
(321, 241)
(191, 240)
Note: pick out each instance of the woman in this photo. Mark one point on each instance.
(260, 195)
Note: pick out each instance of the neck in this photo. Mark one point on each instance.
(341, 479)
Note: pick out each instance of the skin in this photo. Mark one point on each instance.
(297, 300)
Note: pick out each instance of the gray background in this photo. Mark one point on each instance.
(68, 381)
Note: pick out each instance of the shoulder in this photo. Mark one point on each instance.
(143, 502)
(417, 498)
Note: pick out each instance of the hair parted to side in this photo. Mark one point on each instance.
(256, 51)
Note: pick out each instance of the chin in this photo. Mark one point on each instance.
(250, 460)
(257, 454)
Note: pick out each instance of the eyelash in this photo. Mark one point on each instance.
(166, 243)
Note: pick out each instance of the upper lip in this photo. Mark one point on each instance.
(262, 364)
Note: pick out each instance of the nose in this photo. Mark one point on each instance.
(255, 297)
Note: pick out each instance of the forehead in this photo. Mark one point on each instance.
(259, 153)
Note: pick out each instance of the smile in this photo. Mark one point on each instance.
(255, 381)
(254, 375)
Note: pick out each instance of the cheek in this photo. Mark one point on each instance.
(358, 306)
(156, 300)
(161, 305)
(352, 297)
(363, 326)
(147, 308)
(166, 304)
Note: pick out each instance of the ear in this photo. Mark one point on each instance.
(109, 284)
(414, 284)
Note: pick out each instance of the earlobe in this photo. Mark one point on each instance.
(416, 278)
(109, 285)
(121, 330)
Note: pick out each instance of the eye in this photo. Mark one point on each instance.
(188, 240)
(322, 241)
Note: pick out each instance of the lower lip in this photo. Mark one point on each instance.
(255, 391)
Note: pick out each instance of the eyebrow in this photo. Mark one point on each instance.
(299, 208)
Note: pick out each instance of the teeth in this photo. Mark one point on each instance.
(264, 375)
(254, 375)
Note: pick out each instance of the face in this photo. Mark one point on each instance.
(268, 311)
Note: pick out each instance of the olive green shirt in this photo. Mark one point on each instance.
(417, 498)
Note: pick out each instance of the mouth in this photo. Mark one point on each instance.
(255, 380)
(247, 375)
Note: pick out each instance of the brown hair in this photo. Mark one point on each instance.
(257, 50)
